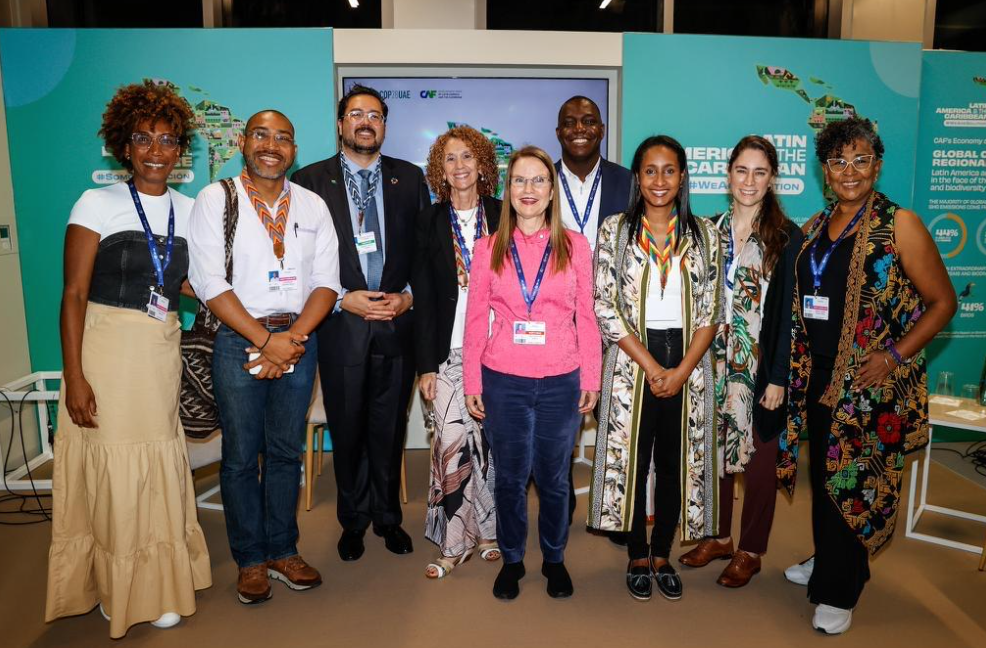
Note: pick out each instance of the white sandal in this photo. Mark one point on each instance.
(444, 566)
(490, 551)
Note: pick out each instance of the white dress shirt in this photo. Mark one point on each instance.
(580, 194)
(311, 249)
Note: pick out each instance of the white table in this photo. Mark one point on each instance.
(31, 389)
(918, 502)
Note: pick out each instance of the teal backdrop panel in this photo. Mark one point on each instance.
(56, 85)
(950, 194)
(709, 91)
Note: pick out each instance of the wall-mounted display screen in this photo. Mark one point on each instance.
(511, 111)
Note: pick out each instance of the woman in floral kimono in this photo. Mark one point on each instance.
(658, 303)
(753, 354)
(870, 292)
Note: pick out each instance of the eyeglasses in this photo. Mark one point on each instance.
(861, 163)
(261, 135)
(537, 182)
(143, 141)
(373, 116)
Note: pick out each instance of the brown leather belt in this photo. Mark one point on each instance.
(278, 320)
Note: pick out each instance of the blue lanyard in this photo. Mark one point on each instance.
(361, 201)
(159, 267)
(584, 218)
(818, 267)
(457, 230)
(529, 297)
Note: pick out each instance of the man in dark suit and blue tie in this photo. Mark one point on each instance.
(365, 348)
(592, 188)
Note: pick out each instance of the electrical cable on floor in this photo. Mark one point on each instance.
(974, 454)
(41, 511)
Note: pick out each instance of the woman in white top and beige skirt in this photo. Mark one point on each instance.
(125, 535)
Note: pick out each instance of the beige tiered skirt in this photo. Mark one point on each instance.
(125, 531)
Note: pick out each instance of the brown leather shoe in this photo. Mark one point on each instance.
(294, 572)
(740, 570)
(706, 551)
(252, 585)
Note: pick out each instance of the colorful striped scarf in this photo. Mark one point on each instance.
(276, 226)
(660, 257)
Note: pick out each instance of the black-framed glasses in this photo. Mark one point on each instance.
(861, 163)
(261, 135)
(143, 141)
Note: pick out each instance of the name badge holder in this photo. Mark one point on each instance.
(815, 306)
(157, 303)
(582, 219)
(529, 332)
(461, 239)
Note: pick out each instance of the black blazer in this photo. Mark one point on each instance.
(775, 338)
(343, 337)
(616, 183)
(436, 284)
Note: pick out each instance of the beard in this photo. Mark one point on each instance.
(265, 172)
(362, 149)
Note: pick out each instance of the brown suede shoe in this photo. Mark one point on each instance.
(740, 570)
(252, 585)
(294, 572)
(706, 551)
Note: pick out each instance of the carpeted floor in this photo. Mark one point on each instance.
(920, 594)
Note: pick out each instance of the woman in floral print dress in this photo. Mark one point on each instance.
(871, 291)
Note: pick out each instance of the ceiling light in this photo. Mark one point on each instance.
(604, 4)
(355, 4)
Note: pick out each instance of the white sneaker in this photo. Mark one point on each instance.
(167, 620)
(831, 620)
(800, 574)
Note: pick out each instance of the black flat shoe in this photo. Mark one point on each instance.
(395, 539)
(559, 582)
(351, 545)
(668, 583)
(507, 583)
(639, 582)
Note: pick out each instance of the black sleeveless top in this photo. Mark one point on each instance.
(823, 336)
(123, 274)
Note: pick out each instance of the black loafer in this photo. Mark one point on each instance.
(395, 538)
(668, 583)
(351, 544)
(639, 582)
(559, 582)
(507, 583)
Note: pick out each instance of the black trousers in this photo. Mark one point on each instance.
(842, 563)
(366, 409)
(659, 437)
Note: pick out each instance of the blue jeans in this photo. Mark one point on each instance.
(531, 425)
(260, 417)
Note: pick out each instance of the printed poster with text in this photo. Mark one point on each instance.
(709, 91)
(56, 84)
(950, 195)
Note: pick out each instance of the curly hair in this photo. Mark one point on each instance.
(140, 102)
(840, 134)
(481, 147)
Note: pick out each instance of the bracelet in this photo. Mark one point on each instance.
(887, 362)
(892, 350)
(270, 334)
